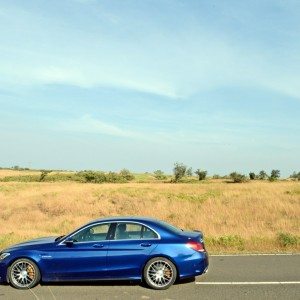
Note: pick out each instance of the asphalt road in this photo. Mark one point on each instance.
(229, 277)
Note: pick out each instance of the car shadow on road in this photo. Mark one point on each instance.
(109, 283)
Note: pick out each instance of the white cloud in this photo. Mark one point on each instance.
(135, 54)
(88, 124)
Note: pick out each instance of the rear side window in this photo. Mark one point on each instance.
(147, 233)
(133, 231)
(170, 227)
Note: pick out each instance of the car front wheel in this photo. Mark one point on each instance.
(24, 274)
(160, 273)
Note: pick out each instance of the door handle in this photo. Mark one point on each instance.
(98, 245)
(145, 245)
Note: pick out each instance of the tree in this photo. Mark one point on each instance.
(262, 175)
(201, 174)
(252, 175)
(179, 171)
(159, 174)
(189, 172)
(295, 176)
(44, 173)
(237, 178)
(275, 174)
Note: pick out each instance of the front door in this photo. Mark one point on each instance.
(84, 259)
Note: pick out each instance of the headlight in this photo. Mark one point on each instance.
(3, 255)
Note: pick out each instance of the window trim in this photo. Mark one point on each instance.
(141, 239)
(62, 243)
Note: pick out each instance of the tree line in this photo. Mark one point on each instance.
(180, 171)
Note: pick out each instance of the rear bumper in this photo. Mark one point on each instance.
(196, 265)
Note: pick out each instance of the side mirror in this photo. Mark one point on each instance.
(69, 242)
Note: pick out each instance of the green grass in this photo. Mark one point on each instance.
(288, 240)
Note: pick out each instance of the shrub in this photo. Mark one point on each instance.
(158, 174)
(124, 173)
(287, 239)
(179, 171)
(237, 178)
(114, 177)
(252, 175)
(227, 241)
(91, 176)
(201, 174)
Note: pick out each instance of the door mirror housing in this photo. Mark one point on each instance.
(69, 242)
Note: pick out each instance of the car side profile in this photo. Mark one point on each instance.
(129, 248)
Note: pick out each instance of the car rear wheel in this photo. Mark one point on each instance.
(24, 274)
(160, 273)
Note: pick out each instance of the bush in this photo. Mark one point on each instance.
(252, 176)
(124, 173)
(201, 174)
(91, 176)
(287, 239)
(227, 241)
(159, 175)
(237, 178)
(179, 171)
(114, 177)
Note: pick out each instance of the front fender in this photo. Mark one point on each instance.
(15, 255)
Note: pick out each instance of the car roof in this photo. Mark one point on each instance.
(126, 218)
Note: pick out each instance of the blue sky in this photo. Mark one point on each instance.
(90, 84)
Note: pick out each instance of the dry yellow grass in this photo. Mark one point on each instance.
(4, 173)
(255, 211)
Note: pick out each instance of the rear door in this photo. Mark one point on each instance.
(129, 249)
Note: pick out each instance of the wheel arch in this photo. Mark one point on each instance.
(164, 256)
(20, 257)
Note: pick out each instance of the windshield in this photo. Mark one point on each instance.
(170, 227)
(59, 238)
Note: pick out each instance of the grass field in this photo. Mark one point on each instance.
(256, 216)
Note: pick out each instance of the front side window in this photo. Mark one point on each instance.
(132, 231)
(93, 233)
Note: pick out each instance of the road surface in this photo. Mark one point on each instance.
(229, 277)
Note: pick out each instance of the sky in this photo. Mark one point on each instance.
(106, 85)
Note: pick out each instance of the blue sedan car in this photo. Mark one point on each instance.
(130, 248)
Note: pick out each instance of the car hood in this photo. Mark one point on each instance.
(32, 243)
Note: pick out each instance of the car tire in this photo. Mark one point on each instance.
(159, 273)
(24, 274)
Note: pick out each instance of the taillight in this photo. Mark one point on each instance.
(197, 246)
